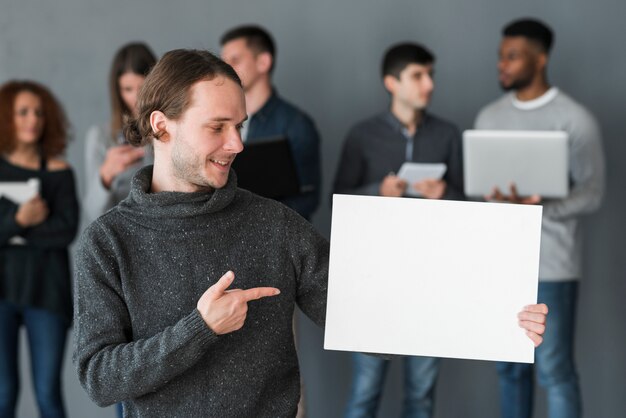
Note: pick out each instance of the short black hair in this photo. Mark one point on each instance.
(257, 38)
(399, 56)
(533, 30)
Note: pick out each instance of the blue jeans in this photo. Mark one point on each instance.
(554, 360)
(420, 375)
(46, 335)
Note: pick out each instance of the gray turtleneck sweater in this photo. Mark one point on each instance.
(140, 270)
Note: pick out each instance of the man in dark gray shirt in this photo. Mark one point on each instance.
(374, 150)
(377, 147)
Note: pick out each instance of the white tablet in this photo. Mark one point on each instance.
(20, 191)
(536, 161)
(415, 172)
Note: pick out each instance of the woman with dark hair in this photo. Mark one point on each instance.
(109, 159)
(35, 233)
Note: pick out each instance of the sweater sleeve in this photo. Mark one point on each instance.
(310, 252)
(586, 171)
(60, 228)
(351, 170)
(8, 227)
(305, 144)
(98, 199)
(111, 365)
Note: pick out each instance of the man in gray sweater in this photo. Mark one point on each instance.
(533, 104)
(156, 323)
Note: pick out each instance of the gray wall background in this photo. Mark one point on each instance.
(328, 61)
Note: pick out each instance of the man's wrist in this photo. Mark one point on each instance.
(105, 180)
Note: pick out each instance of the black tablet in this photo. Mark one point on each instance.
(266, 167)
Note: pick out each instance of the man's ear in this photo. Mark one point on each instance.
(264, 61)
(159, 123)
(542, 61)
(390, 83)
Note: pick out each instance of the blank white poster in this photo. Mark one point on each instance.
(431, 277)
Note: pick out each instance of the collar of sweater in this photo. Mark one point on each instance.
(174, 209)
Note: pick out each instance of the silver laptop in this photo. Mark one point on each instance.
(536, 161)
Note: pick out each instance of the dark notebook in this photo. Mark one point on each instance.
(267, 168)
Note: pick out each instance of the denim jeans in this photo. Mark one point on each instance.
(420, 375)
(46, 335)
(554, 361)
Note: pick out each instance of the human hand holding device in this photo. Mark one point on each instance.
(225, 311)
(513, 197)
(392, 186)
(533, 319)
(430, 188)
(117, 160)
(32, 212)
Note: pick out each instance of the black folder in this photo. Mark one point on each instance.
(267, 168)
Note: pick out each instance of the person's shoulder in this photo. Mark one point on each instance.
(248, 198)
(496, 104)
(97, 231)
(576, 118)
(443, 124)
(109, 224)
(287, 110)
(262, 207)
(291, 114)
(56, 164)
(574, 107)
(492, 109)
(368, 124)
(285, 105)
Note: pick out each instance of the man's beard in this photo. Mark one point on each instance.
(187, 167)
(518, 84)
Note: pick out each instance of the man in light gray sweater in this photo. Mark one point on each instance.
(533, 104)
(155, 325)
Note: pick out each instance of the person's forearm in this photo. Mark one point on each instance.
(580, 201)
(55, 232)
(60, 228)
(588, 190)
(8, 226)
(113, 372)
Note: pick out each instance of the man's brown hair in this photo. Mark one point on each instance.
(167, 89)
